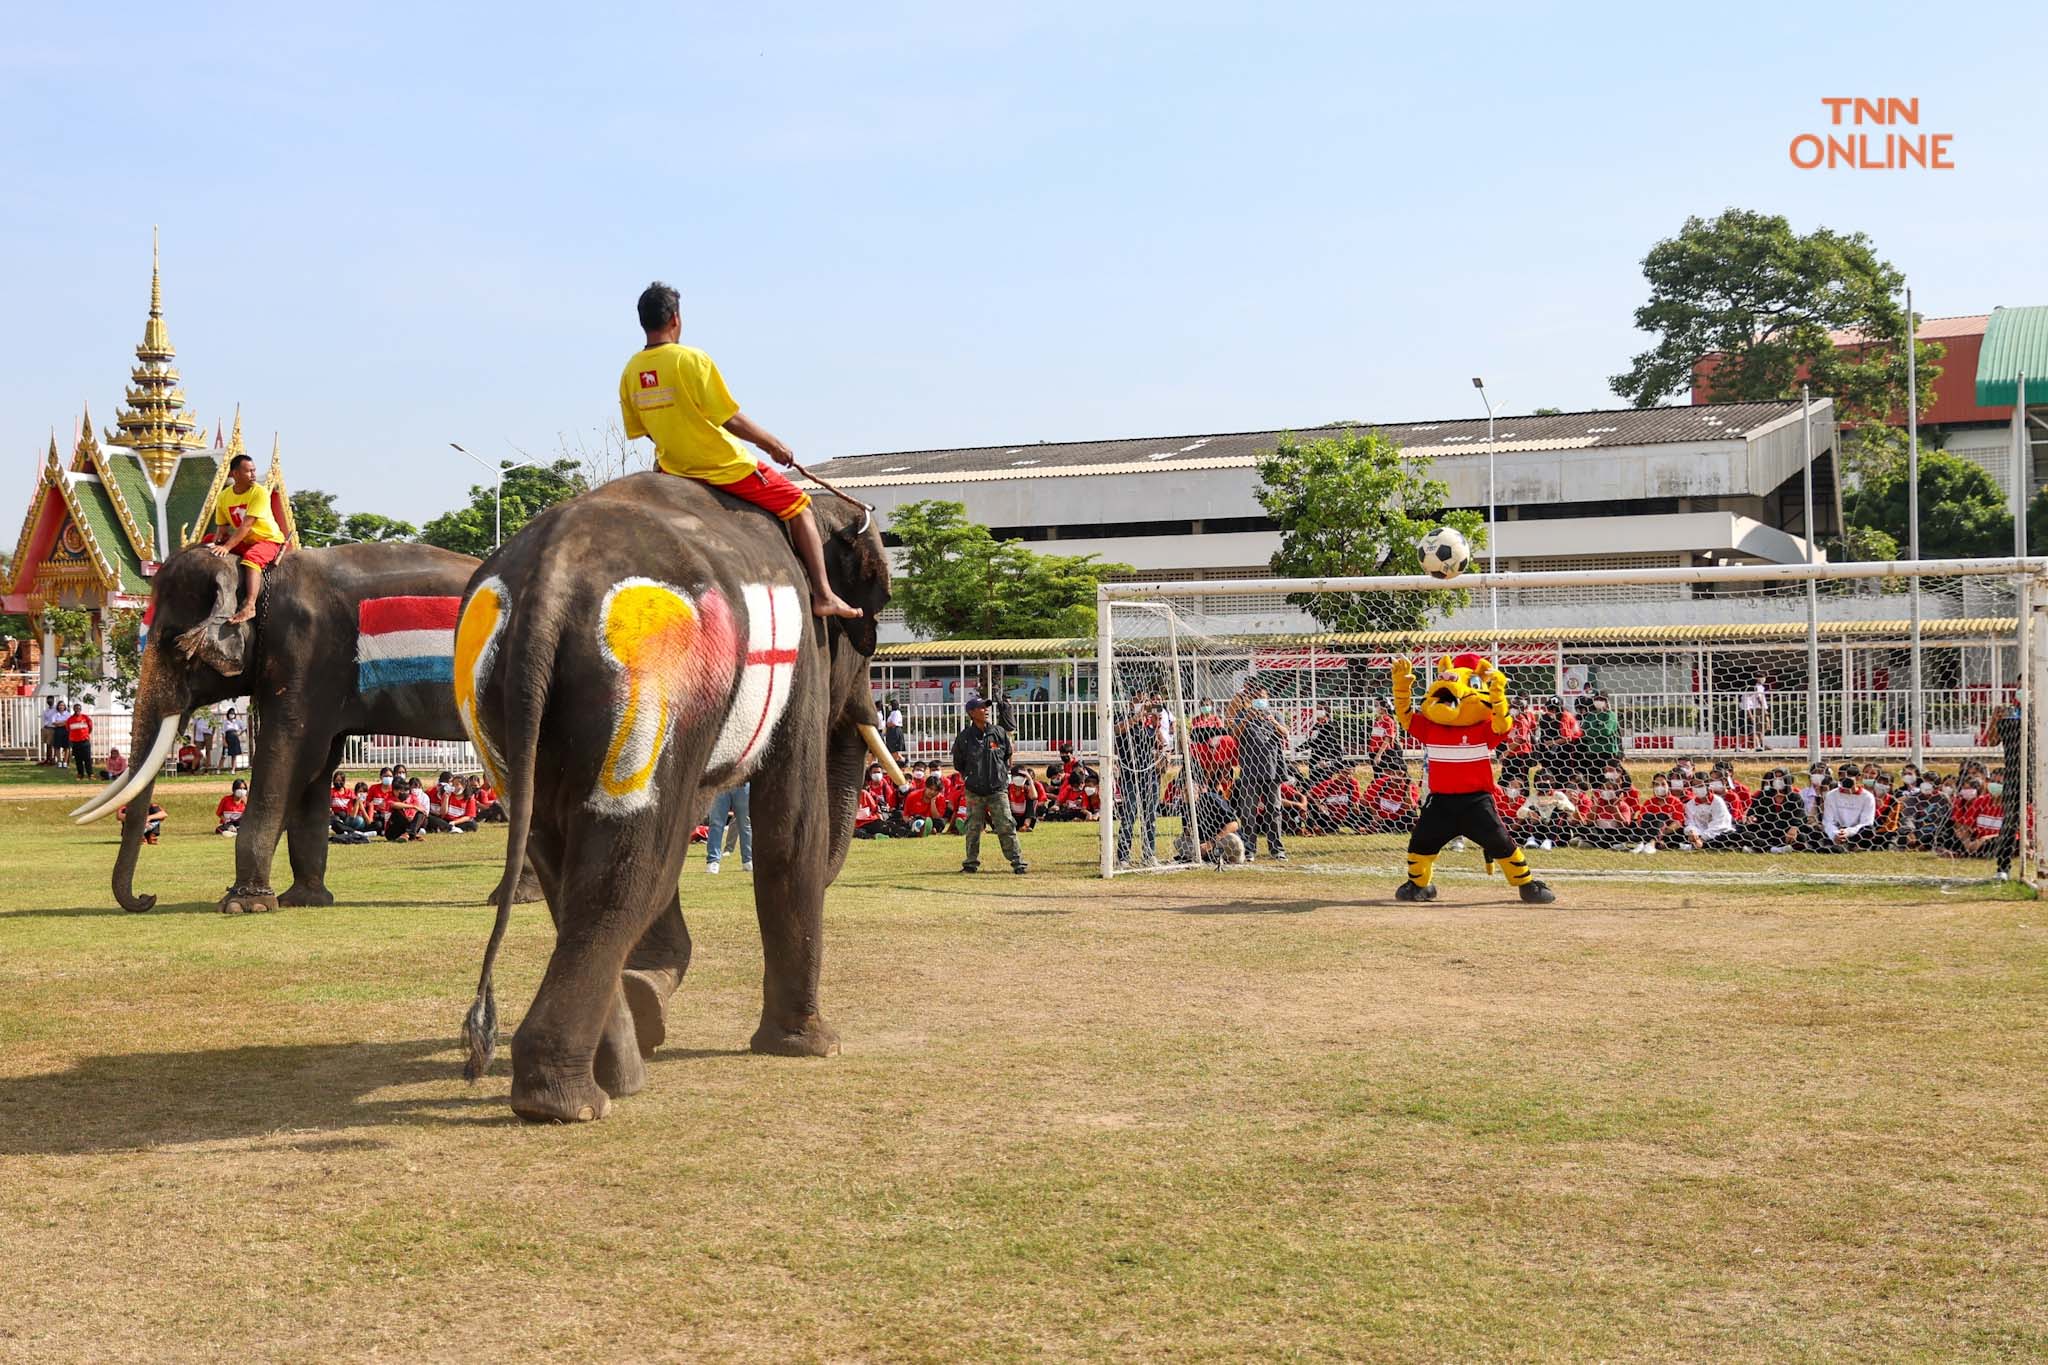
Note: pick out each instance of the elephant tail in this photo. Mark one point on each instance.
(521, 744)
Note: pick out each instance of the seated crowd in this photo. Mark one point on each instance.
(400, 807)
(931, 800)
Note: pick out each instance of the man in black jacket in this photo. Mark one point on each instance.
(981, 755)
(1262, 762)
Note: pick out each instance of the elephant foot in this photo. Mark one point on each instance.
(543, 1099)
(242, 901)
(813, 1037)
(647, 994)
(619, 1070)
(301, 894)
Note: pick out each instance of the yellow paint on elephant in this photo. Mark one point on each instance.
(648, 629)
(476, 649)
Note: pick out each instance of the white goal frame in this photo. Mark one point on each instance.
(2029, 575)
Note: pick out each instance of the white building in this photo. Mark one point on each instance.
(1699, 484)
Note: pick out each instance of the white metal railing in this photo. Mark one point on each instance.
(432, 755)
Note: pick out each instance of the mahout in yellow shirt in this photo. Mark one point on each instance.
(675, 396)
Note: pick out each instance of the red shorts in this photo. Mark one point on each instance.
(258, 554)
(766, 488)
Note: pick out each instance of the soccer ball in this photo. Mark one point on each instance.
(1444, 553)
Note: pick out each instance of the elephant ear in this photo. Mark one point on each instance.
(222, 647)
(858, 567)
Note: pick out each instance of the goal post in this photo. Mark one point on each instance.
(1627, 686)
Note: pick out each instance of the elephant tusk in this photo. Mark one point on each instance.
(882, 755)
(138, 775)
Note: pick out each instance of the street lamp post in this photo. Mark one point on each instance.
(1492, 539)
(498, 472)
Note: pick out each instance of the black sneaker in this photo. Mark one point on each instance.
(1409, 891)
(1277, 856)
(970, 867)
(1536, 893)
(1020, 868)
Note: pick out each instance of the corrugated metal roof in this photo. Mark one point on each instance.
(1601, 428)
(1775, 632)
(2015, 344)
(1930, 329)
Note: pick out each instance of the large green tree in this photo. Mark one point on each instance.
(529, 491)
(321, 523)
(1963, 515)
(956, 581)
(371, 527)
(1760, 299)
(1352, 505)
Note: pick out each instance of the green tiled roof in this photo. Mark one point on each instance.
(127, 471)
(2015, 344)
(98, 510)
(187, 501)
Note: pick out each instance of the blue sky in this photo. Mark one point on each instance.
(899, 226)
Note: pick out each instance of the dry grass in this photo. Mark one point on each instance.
(1205, 1116)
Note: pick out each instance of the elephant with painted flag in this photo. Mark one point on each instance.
(357, 639)
(628, 655)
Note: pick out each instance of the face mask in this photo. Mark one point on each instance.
(1926, 787)
(1880, 787)
(1815, 779)
(1261, 704)
(1607, 792)
(1969, 792)
(1513, 790)
(1089, 790)
(1716, 787)
(1777, 784)
(1911, 777)
(1599, 706)
(1995, 788)
(1611, 775)
(1660, 789)
(1700, 794)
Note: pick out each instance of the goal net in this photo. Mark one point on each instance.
(1748, 722)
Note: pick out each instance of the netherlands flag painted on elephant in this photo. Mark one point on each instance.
(401, 640)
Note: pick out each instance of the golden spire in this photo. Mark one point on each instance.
(234, 446)
(155, 424)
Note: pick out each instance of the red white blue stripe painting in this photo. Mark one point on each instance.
(405, 640)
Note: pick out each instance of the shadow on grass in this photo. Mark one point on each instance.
(82, 911)
(289, 1093)
(1247, 907)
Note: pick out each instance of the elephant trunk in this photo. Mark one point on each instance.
(132, 826)
(845, 767)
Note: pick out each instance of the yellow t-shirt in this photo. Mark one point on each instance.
(675, 396)
(236, 510)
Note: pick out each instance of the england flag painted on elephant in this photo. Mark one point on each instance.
(402, 640)
(775, 624)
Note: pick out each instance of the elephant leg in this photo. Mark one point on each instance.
(279, 775)
(577, 1041)
(306, 840)
(791, 867)
(654, 970)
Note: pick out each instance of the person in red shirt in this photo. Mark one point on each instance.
(1662, 820)
(489, 810)
(925, 809)
(1070, 802)
(457, 808)
(1333, 803)
(881, 788)
(377, 802)
(381, 788)
(867, 814)
(227, 813)
(1507, 799)
(1612, 815)
(189, 756)
(78, 730)
(1023, 806)
(1387, 806)
(1294, 808)
(1980, 815)
(338, 799)
(1463, 717)
(1739, 797)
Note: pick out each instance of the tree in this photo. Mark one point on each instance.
(78, 660)
(529, 491)
(1963, 515)
(1548, 412)
(1355, 505)
(371, 528)
(314, 513)
(956, 581)
(1759, 300)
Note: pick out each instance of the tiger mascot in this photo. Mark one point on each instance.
(1463, 718)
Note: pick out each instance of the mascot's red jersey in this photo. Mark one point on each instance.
(1461, 718)
(1460, 756)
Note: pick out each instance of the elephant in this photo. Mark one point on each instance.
(630, 653)
(351, 640)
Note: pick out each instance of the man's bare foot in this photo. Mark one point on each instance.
(245, 614)
(828, 604)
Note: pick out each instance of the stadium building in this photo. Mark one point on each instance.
(1635, 488)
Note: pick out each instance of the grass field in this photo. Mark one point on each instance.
(1215, 1115)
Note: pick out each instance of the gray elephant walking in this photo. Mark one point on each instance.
(358, 639)
(629, 653)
